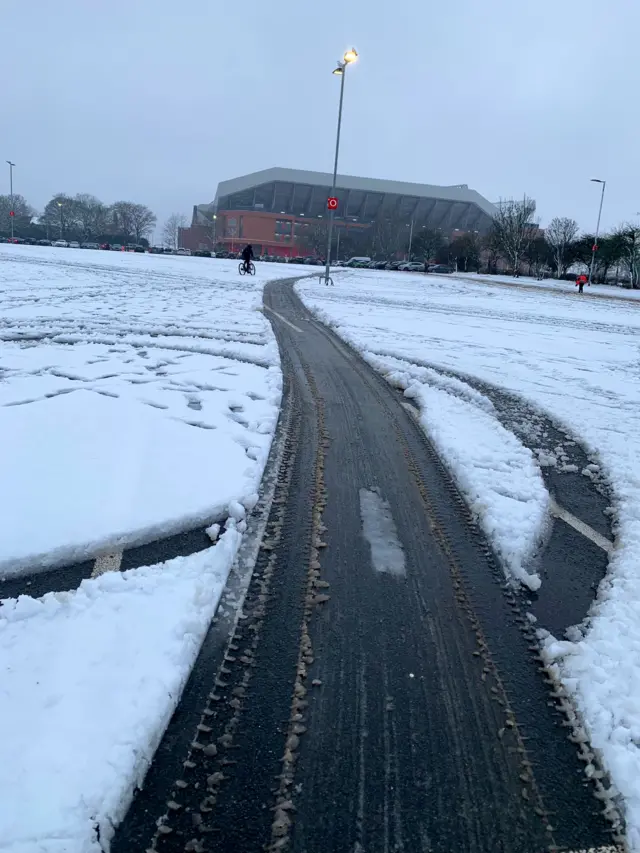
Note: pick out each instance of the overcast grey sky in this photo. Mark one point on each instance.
(157, 100)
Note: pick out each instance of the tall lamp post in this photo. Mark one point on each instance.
(60, 211)
(12, 213)
(595, 243)
(341, 68)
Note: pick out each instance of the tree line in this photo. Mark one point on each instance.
(515, 243)
(81, 217)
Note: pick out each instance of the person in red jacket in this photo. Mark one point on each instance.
(581, 280)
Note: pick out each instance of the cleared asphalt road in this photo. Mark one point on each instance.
(382, 691)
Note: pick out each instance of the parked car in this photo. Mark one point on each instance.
(440, 268)
(139, 249)
(89, 246)
(183, 252)
(117, 247)
(74, 244)
(201, 253)
(30, 241)
(412, 266)
(44, 242)
(61, 244)
(380, 265)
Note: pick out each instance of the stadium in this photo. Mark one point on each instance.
(274, 208)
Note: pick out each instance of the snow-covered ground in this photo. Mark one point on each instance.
(138, 396)
(552, 284)
(576, 359)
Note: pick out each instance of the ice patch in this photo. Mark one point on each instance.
(379, 529)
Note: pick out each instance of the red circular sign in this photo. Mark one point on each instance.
(11, 213)
(332, 203)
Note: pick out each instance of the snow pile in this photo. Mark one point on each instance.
(82, 728)
(573, 357)
(497, 474)
(138, 396)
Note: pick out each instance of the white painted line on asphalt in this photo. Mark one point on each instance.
(107, 563)
(581, 527)
(607, 849)
(280, 317)
(379, 529)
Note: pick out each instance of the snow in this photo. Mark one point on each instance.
(149, 386)
(83, 727)
(553, 285)
(572, 357)
(138, 396)
(379, 529)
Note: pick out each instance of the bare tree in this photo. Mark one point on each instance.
(560, 235)
(314, 236)
(629, 240)
(143, 221)
(23, 213)
(171, 229)
(514, 228)
(427, 244)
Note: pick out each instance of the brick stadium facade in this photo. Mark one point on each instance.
(274, 209)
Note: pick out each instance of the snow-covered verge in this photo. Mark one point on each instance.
(554, 285)
(575, 359)
(82, 726)
(138, 396)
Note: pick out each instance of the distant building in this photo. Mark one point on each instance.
(273, 208)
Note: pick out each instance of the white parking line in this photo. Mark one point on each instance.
(581, 527)
(107, 563)
(280, 317)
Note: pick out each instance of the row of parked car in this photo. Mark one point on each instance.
(402, 266)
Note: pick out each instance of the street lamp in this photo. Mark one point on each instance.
(12, 213)
(595, 243)
(60, 211)
(341, 68)
(214, 217)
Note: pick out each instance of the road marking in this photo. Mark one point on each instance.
(607, 849)
(107, 563)
(379, 529)
(280, 317)
(581, 527)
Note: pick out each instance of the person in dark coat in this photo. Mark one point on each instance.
(247, 256)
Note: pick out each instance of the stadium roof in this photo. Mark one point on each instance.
(301, 193)
(458, 192)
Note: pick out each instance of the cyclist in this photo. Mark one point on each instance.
(247, 256)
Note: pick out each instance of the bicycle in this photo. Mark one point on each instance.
(251, 270)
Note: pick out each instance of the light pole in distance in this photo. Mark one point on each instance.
(340, 69)
(12, 213)
(60, 210)
(595, 242)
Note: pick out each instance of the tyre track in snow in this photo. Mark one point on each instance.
(355, 710)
